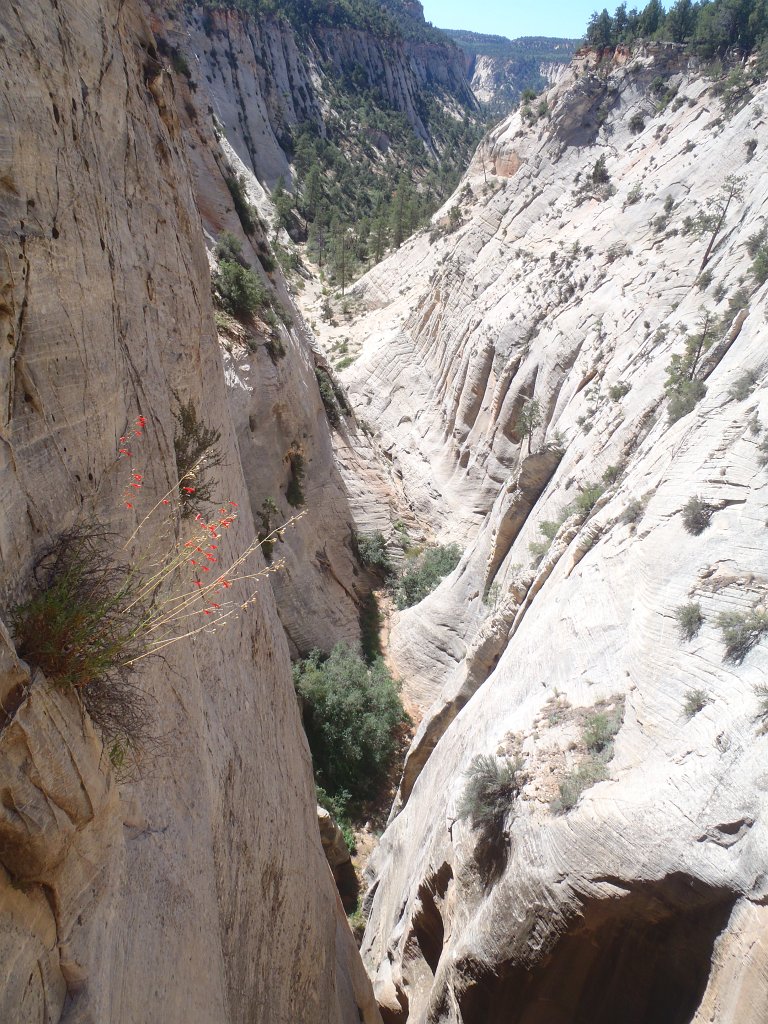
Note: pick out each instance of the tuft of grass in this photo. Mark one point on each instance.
(600, 729)
(697, 515)
(493, 785)
(689, 620)
(695, 701)
(583, 777)
(741, 631)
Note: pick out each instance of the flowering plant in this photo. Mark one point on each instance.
(99, 608)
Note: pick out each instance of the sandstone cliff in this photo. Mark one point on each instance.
(196, 890)
(630, 885)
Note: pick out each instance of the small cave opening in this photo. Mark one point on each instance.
(427, 922)
(643, 958)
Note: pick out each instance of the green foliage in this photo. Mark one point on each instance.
(757, 247)
(585, 775)
(689, 620)
(600, 730)
(683, 387)
(743, 386)
(493, 785)
(706, 28)
(618, 390)
(695, 701)
(243, 208)
(229, 248)
(528, 420)
(741, 631)
(582, 505)
(82, 626)
(351, 716)
(266, 516)
(294, 493)
(697, 515)
(197, 450)
(637, 123)
(599, 174)
(372, 552)
(426, 573)
(370, 629)
(338, 808)
(634, 512)
(332, 410)
(240, 291)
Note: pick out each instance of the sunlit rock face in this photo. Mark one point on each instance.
(626, 880)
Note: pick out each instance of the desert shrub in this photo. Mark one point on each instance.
(267, 534)
(741, 631)
(637, 123)
(697, 515)
(427, 572)
(581, 778)
(704, 280)
(370, 629)
(229, 248)
(240, 291)
(351, 715)
(600, 728)
(634, 195)
(689, 620)
(372, 552)
(761, 692)
(493, 784)
(686, 397)
(243, 208)
(294, 493)
(338, 808)
(600, 174)
(332, 410)
(618, 390)
(634, 512)
(587, 498)
(695, 701)
(82, 627)
(743, 386)
(197, 450)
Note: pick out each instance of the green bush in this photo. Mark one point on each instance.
(492, 787)
(695, 701)
(697, 515)
(581, 778)
(332, 410)
(741, 631)
(83, 627)
(689, 620)
(338, 808)
(600, 729)
(372, 552)
(240, 292)
(229, 248)
(351, 716)
(294, 493)
(634, 512)
(743, 386)
(197, 450)
(424, 576)
(636, 123)
(245, 211)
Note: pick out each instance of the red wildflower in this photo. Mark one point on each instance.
(128, 504)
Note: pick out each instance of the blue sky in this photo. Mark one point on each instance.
(566, 18)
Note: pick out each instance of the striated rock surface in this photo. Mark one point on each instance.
(197, 890)
(627, 879)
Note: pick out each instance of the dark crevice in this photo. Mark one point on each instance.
(643, 958)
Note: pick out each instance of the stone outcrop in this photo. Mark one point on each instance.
(197, 889)
(626, 884)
